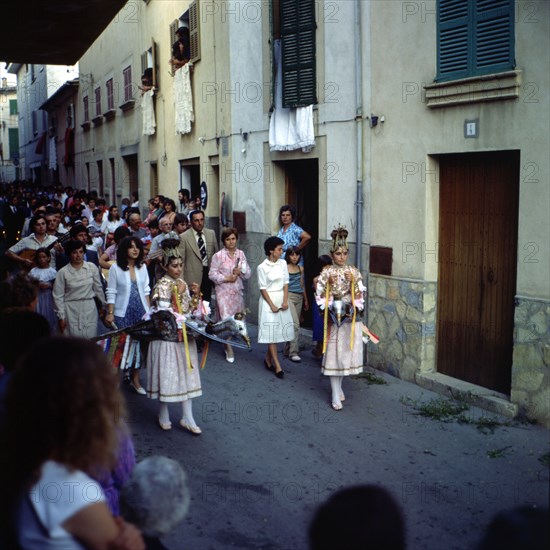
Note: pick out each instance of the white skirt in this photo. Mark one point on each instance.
(274, 327)
(168, 377)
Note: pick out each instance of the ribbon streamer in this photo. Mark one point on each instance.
(183, 327)
(354, 312)
(325, 321)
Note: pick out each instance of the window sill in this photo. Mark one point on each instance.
(98, 120)
(477, 89)
(127, 105)
(85, 126)
(110, 114)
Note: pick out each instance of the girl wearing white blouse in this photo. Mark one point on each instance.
(274, 318)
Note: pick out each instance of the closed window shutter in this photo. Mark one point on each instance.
(173, 28)
(194, 32)
(475, 37)
(13, 107)
(298, 52)
(494, 33)
(13, 138)
(154, 52)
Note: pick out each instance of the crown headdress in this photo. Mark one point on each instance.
(170, 247)
(339, 238)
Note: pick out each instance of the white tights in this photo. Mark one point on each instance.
(336, 387)
(187, 413)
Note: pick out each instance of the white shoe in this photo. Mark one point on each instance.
(229, 358)
(295, 358)
(195, 430)
(138, 389)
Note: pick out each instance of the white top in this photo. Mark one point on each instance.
(45, 275)
(119, 285)
(57, 496)
(109, 227)
(272, 276)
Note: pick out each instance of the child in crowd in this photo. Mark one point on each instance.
(297, 299)
(45, 275)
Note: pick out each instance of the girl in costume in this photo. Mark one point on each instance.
(173, 367)
(340, 293)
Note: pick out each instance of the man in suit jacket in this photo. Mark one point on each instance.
(195, 263)
(14, 219)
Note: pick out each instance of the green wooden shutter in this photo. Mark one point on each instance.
(13, 107)
(474, 37)
(297, 19)
(13, 137)
(194, 32)
(494, 36)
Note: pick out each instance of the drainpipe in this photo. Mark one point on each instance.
(359, 137)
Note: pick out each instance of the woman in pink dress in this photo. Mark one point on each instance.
(228, 270)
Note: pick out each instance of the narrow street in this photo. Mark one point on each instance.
(272, 450)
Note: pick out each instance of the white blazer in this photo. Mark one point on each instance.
(118, 288)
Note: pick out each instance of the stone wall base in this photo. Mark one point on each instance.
(402, 312)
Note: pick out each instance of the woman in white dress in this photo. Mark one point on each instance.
(173, 367)
(274, 318)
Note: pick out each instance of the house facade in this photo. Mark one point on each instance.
(35, 84)
(459, 202)
(9, 133)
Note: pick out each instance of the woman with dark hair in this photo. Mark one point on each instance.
(274, 318)
(183, 201)
(111, 223)
(290, 233)
(108, 258)
(128, 296)
(228, 270)
(75, 290)
(67, 431)
(169, 212)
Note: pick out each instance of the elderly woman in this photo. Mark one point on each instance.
(290, 233)
(75, 291)
(228, 270)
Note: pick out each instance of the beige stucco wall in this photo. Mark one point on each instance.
(404, 177)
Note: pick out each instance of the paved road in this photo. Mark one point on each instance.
(272, 450)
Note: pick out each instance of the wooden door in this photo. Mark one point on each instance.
(478, 219)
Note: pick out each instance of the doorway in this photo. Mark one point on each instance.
(302, 192)
(478, 228)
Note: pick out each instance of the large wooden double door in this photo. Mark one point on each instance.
(478, 221)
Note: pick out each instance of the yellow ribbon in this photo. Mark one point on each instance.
(325, 321)
(353, 316)
(183, 328)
